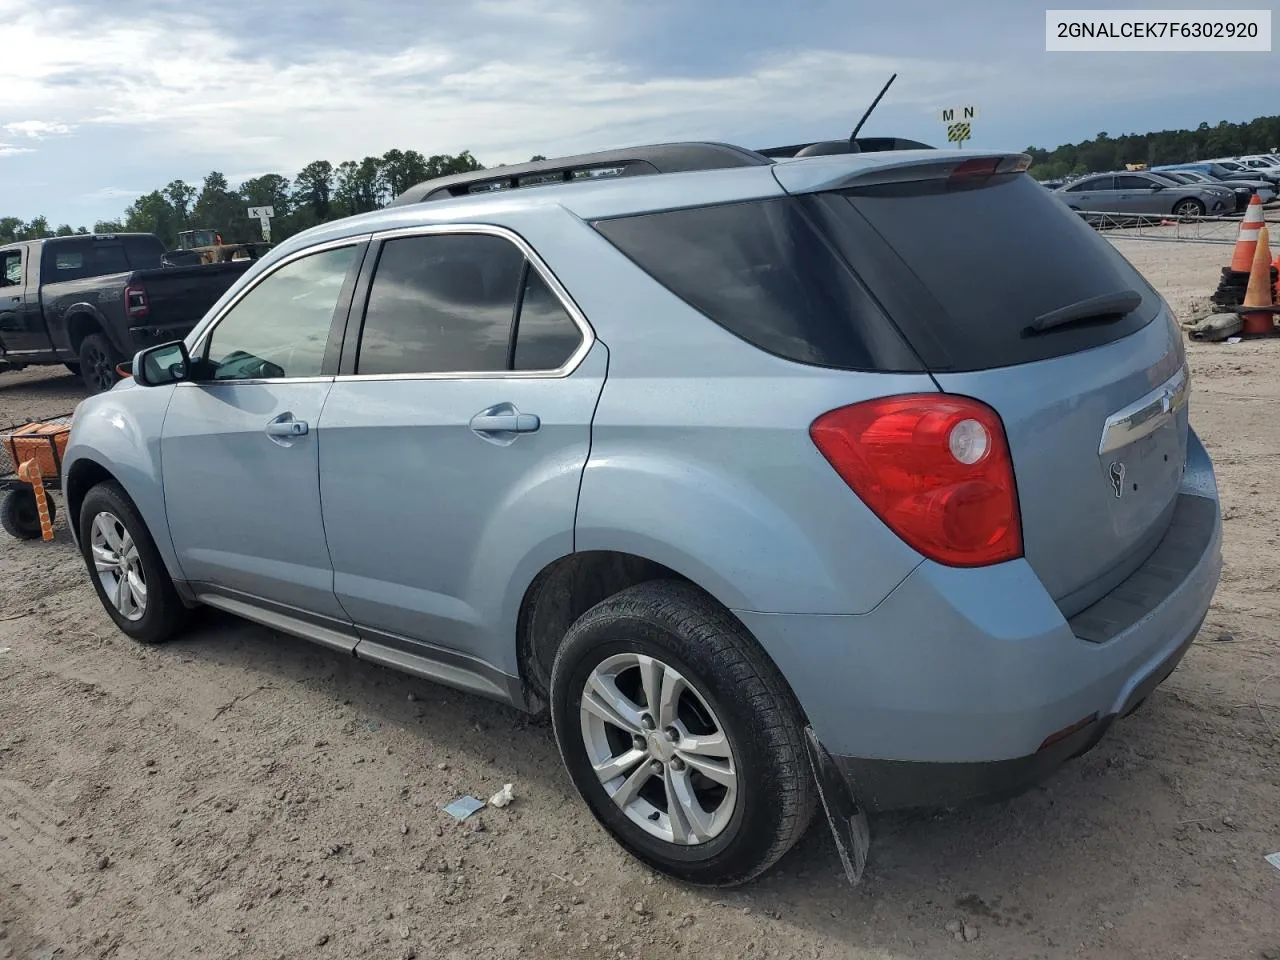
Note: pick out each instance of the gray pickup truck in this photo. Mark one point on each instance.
(92, 301)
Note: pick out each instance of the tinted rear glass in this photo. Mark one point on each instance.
(963, 272)
(763, 271)
(90, 257)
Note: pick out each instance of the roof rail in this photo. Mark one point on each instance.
(629, 162)
(828, 147)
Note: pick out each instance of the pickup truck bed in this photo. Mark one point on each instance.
(99, 316)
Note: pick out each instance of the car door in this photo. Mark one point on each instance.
(1091, 194)
(22, 327)
(239, 444)
(452, 448)
(1137, 194)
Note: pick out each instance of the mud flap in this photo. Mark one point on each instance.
(847, 820)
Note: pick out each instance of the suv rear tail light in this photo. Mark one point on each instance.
(935, 468)
(135, 302)
(979, 168)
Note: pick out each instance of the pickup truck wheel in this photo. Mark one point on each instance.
(681, 735)
(18, 514)
(125, 567)
(98, 363)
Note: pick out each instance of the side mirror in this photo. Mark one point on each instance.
(1157, 186)
(157, 366)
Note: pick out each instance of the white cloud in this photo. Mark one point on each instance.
(6, 150)
(186, 82)
(37, 129)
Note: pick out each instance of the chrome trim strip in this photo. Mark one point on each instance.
(326, 631)
(441, 666)
(557, 289)
(1146, 414)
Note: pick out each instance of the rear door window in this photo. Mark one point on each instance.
(1133, 183)
(459, 304)
(441, 303)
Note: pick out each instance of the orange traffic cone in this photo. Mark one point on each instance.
(1275, 287)
(1258, 293)
(1247, 238)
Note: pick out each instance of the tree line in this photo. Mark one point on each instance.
(322, 191)
(1103, 152)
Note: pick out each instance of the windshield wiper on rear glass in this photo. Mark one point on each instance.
(1109, 306)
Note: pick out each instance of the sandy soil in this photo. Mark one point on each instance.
(244, 794)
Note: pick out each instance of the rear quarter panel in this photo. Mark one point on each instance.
(700, 453)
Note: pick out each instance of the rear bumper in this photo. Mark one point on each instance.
(948, 690)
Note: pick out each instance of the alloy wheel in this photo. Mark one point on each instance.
(118, 566)
(658, 749)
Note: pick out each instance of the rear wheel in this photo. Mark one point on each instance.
(1189, 208)
(19, 516)
(681, 735)
(98, 363)
(127, 572)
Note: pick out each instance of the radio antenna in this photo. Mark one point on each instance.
(854, 136)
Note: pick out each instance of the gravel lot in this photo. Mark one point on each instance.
(243, 794)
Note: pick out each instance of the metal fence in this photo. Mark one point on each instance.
(1171, 228)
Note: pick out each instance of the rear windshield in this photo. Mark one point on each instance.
(971, 268)
(96, 257)
(893, 277)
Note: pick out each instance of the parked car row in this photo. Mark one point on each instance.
(1219, 186)
(1147, 193)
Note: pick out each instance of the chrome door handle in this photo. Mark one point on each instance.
(287, 429)
(505, 423)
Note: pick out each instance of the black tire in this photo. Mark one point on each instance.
(73, 367)
(19, 516)
(678, 624)
(98, 363)
(1188, 207)
(164, 613)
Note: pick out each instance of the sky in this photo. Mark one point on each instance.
(103, 101)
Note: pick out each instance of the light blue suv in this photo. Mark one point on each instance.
(860, 481)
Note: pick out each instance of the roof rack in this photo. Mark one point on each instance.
(831, 147)
(637, 161)
(629, 162)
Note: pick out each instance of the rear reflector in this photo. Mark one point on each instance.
(934, 468)
(1066, 732)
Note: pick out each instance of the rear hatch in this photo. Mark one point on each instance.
(964, 259)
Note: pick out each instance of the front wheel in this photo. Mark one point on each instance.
(98, 363)
(1189, 208)
(681, 735)
(127, 572)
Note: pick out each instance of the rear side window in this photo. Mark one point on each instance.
(1133, 183)
(143, 252)
(78, 259)
(763, 272)
(546, 336)
(461, 303)
(963, 272)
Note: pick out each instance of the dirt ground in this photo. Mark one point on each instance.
(243, 794)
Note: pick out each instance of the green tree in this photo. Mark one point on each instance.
(64, 230)
(180, 195)
(217, 208)
(313, 186)
(153, 213)
(359, 186)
